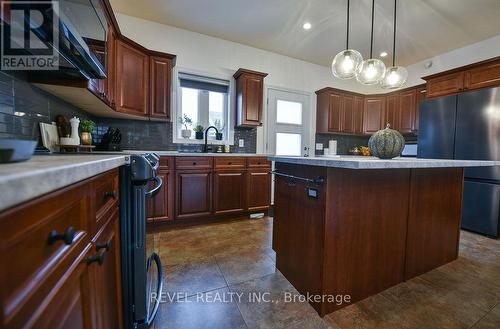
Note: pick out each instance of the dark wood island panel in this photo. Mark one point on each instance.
(366, 230)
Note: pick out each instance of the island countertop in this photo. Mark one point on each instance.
(361, 162)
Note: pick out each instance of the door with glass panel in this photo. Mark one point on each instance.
(288, 123)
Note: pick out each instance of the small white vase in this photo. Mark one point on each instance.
(75, 122)
(186, 133)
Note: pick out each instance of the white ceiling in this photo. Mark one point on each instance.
(425, 27)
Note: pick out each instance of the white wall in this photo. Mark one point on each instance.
(473, 53)
(216, 56)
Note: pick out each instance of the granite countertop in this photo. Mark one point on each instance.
(23, 181)
(360, 162)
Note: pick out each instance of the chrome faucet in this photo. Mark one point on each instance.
(205, 149)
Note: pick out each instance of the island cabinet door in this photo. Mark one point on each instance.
(160, 208)
(258, 189)
(193, 190)
(229, 192)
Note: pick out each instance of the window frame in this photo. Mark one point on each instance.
(177, 107)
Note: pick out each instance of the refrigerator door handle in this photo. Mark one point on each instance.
(159, 289)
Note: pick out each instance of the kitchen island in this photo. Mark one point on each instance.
(347, 228)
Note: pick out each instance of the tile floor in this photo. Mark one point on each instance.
(214, 275)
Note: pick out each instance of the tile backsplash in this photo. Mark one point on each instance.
(346, 142)
(151, 135)
(23, 106)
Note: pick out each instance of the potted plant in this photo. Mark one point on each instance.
(220, 127)
(88, 127)
(186, 121)
(198, 131)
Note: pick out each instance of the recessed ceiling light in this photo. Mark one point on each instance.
(383, 54)
(307, 26)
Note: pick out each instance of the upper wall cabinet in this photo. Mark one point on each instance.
(132, 79)
(471, 77)
(249, 97)
(161, 86)
(338, 112)
(373, 114)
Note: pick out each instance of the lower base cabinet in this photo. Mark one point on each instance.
(229, 192)
(258, 189)
(161, 207)
(193, 193)
(205, 187)
(69, 304)
(64, 265)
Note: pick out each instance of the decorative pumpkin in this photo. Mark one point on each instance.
(386, 143)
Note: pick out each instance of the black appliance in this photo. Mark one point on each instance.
(110, 141)
(142, 277)
(81, 31)
(467, 127)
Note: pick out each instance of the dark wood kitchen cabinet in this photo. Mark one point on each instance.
(132, 79)
(407, 109)
(470, 77)
(445, 84)
(161, 207)
(373, 114)
(258, 189)
(193, 191)
(421, 97)
(391, 115)
(161, 87)
(338, 111)
(229, 192)
(107, 276)
(249, 97)
(358, 115)
(56, 288)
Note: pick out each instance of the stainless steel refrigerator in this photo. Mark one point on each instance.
(467, 126)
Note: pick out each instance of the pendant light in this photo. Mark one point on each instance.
(347, 62)
(372, 70)
(395, 76)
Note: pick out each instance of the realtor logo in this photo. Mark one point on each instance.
(30, 35)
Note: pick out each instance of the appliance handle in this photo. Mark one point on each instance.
(156, 189)
(159, 289)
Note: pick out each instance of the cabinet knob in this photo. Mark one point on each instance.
(99, 257)
(106, 246)
(67, 236)
(230, 163)
(110, 194)
(194, 163)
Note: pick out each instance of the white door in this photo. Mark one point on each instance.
(288, 121)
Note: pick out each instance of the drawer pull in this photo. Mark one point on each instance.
(111, 194)
(67, 236)
(230, 163)
(194, 163)
(106, 246)
(99, 257)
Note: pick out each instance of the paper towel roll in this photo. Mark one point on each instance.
(332, 145)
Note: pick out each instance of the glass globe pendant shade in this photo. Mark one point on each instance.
(371, 71)
(346, 63)
(395, 77)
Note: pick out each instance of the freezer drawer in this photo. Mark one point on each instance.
(480, 210)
